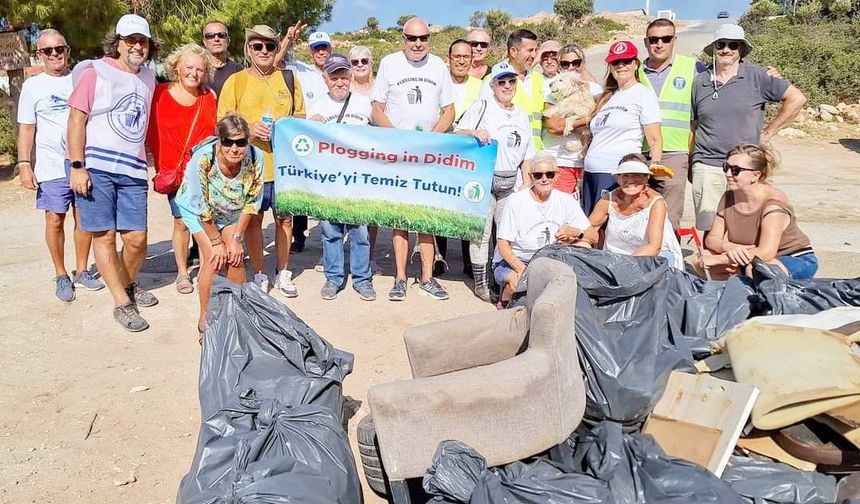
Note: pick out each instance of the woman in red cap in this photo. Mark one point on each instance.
(625, 112)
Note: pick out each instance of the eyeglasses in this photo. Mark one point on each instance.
(512, 81)
(415, 38)
(665, 39)
(549, 55)
(735, 169)
(362, 61)
(734, 45)
(133, 40)
(459, 56)
(258, 46)
(482, 45)
(570, 64)
(619, 62)
(47, 51)
(212, 35)
(541, 174)
(230, 142)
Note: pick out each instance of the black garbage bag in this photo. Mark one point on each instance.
(781, 295)
(766, 482)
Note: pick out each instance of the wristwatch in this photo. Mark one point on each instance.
(238, 237)
(580, 235)
(77, 164)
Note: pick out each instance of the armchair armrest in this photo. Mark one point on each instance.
(466, 342)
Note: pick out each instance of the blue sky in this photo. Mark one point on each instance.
(351, 14)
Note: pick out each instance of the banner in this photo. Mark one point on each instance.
(429, 183)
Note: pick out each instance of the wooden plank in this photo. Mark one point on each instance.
(700, 451)
(765, 445)
(707, 402)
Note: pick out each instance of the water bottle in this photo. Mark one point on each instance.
(269, 121)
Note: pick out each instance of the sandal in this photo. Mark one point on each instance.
(184, 285)
(200, 332)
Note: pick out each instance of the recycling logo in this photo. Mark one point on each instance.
(302, 145)
(473, 191)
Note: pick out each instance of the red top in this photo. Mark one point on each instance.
(168, 127)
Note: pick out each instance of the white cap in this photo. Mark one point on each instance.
(502, 69)
(633, 167)
(729, 31)
(318, 38)
(131, 24)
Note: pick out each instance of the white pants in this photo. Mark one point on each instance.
(479, 250)
(709, 184)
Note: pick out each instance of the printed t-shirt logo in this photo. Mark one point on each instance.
(128, 117)
(514, 139)
(414, 96)
(620, 48)
(473, 191)
(302, 145)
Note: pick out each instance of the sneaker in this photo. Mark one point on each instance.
(284, 283)
(365, 291)
(329, 290)
(86, 280)
(375, 268)
(432, 289)
(140, 297)
(127, 316)
(262, 282)
(298, 246)
(65, 291)
(398, 292)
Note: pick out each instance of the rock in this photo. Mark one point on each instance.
(123, 481)
(826, 116)
(139, 388)
(852, 114)
(842, 106)
(792, 133)
(810, 111)
(828, 108)
(840, 119)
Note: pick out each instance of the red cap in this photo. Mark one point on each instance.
(623, 49)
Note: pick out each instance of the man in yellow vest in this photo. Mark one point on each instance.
(532, 87)
(671, 76)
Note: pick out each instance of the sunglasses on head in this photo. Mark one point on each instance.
(136, 40)
(230, 142)
(735, 169)
(258, 46)
(665, 39)
(482, 45)
(362, 61)
(414, 38)
(47, 51)
(212, 35)
(541, 174)
(734, 45)
(570, 64)
(619, 62)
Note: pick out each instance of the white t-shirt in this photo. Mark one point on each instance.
(530, 225)
(555, 143)
(617, 127)
(311, 79)
(510, 128)
(523, 86)
(43, 102)
(458, 92)
(414, 92)
(357, 111)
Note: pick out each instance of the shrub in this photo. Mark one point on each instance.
(7, 133)
(763, 8)
(572, 11)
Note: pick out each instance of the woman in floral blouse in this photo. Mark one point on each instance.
(221, 191)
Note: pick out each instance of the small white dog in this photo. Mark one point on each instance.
(573, 101)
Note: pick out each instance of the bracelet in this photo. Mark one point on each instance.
(216, 241)
(24, 162)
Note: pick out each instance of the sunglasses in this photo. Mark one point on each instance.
(362, 61)
(136, 40)
(620, 62)
(212, 35)
(541, 174)
(735, 170)
(258, 46)
(47, 51)
(415, 38)
(665, 39)
(549, 55)
(734, 45)
(482, 45)
(570, 64)
(230, 142)
(511, 81)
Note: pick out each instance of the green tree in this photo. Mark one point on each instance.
(497, 22)
(372, 23)
(403, 19)
(763, 8)
(572, 11)
(477, 19)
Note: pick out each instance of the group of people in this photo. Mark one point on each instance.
(208, 130)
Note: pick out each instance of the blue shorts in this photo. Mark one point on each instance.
(502, 269)
(116, 202)
(801, 267)
(55, 196)
(268, 196)
(174, 208)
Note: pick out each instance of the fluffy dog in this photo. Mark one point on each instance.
(573, 101)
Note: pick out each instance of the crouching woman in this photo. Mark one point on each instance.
(755, 219)
(220, 193)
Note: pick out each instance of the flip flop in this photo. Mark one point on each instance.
(184, 285)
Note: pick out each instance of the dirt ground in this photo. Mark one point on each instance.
(61, 365)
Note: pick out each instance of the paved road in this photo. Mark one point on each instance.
(690, 41)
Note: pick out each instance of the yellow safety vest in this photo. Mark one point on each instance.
(532, 102)
(676, 99)
(473, 90)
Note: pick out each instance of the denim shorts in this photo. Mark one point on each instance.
(55, 196)
(801, 267)
(174, 208)
(116, 202)
(502, 269)
(268, 196)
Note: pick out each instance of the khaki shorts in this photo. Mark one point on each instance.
(709, 184)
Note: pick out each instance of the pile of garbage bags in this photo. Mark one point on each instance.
(271, 401)
(637, 319)
(605, 465)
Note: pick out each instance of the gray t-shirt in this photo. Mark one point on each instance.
(736, 116)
